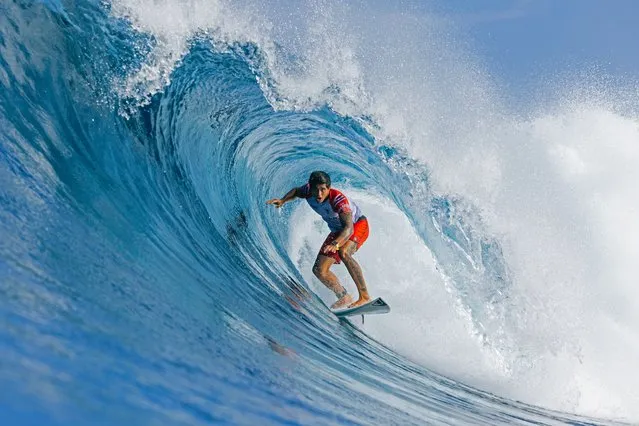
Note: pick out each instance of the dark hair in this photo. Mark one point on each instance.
(318, 177)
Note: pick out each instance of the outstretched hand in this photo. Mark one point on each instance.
(277, 202)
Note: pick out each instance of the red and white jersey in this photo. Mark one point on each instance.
(335, 204)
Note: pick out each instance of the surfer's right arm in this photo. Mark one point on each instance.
(279, 202)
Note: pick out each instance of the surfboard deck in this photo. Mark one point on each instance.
(374, 307)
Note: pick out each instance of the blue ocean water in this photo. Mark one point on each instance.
(142, 278)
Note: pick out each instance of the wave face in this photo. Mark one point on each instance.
(144, 280)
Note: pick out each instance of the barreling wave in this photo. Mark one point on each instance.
(145, 280)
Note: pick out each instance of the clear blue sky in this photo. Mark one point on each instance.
(522, 40)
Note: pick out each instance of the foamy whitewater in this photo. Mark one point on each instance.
(144, 280)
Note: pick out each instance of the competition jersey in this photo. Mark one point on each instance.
(335, 204)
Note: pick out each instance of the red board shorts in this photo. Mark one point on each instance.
(359, 236)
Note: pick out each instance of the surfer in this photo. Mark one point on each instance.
(349, 230)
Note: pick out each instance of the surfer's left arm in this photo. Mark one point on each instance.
(347, 222)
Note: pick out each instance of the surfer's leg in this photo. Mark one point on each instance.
(322, 270)
(346, 253)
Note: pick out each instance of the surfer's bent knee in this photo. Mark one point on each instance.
(320, 269)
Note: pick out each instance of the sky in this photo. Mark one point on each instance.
(523, 41)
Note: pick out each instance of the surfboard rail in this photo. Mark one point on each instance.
(374, 307)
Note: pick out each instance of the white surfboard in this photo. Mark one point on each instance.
(374, 307)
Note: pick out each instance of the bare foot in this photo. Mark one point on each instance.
(342, 302)
(359, 302)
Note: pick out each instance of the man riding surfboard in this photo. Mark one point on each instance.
(349, 230)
